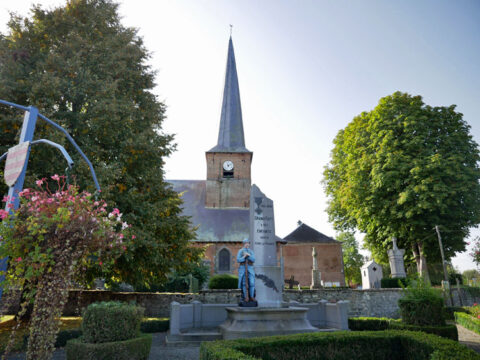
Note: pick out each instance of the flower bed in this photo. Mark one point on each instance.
(392, 345)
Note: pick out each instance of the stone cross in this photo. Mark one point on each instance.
(395, 257)
(314, 256)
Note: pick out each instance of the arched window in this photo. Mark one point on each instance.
(224, 260)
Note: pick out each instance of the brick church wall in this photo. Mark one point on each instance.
(298, 262)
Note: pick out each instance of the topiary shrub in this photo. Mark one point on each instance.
(393, 283)
(154, 325)
(111, 330)
(131, 349)
(111, 321)
(421, 305)
(223, 281)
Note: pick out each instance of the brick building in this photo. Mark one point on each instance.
(219, 205)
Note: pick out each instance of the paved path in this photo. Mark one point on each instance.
(468, 338)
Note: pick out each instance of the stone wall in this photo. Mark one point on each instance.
(374, 302)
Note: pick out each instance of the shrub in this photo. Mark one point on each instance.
(421, 305)
(388, 283)
(223, 281)
(131, 349)
(342, 345)
(450, 310)
(378, 324)
(368, 323)
(111, 321)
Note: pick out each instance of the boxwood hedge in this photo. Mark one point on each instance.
(343, 345)
(131, 349)
(376, 324)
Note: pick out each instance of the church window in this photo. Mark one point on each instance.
(224, 260)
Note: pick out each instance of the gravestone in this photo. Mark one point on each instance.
(316, 275)
(395, 256)
(372, 275)
(268, 275)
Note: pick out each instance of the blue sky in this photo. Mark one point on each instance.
(306, 68)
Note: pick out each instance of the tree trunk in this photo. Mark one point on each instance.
(416, 254)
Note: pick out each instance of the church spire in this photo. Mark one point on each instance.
(230, 136)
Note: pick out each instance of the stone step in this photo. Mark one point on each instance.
(192, 337)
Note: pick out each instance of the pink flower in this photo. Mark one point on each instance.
(475, 304)
(120, 236)
(124, 248)
(39, 182)
(56, 177)
(133, 237)
(101, 263)
(18, 259)
(3, 214)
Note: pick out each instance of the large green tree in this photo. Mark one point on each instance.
(83, 69)
(352, 259)
(401, 169)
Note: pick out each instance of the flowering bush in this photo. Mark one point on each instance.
(475, 254)
(50, 240)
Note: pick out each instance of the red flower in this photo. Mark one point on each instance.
(18, 259)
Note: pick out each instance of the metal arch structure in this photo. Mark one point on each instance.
(26, 135)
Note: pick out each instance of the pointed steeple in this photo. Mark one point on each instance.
(230, 136)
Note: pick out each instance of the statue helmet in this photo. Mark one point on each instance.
(246, 241)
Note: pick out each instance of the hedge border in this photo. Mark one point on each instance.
(416, 344)
(468, 321)
(131, 349)
(379, 324)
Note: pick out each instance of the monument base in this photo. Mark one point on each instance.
(254, 322)
(248, 304)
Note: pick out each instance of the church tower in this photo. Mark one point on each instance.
(229, 162)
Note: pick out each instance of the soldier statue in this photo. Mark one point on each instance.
(246, 274)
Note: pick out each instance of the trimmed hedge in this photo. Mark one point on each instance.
(131, 349)
(426, 311)
(450, 310)
(379, 324)
(111, 321)
(388, 283)
(223, 281)
(342, 345)
(468, 321)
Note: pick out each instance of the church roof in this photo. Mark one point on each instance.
(230, 135)
(214, 225)
(306, 234)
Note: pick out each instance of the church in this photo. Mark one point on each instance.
(219, 205)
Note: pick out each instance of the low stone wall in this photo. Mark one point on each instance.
(375, 302)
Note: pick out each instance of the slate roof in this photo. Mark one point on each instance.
(214, 225)
(306, 234)
(230, 135)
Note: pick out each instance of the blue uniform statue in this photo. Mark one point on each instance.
(246, 254)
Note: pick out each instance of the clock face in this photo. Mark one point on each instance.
(228, 165)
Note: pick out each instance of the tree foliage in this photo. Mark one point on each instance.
(401, 169)
(86, 71)
(352, 259)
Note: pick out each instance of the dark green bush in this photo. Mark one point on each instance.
(388, 283)
(131, 349)
(342, 345)
(422, 311)
(379, 324)
(154, 325)
(223, 281)
(111, 321)
(368, 323)
(468, 321)
(421, 305)
(65, 335)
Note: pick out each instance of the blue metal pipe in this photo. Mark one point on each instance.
(21, 107)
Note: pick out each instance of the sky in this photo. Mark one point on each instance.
(305, 69)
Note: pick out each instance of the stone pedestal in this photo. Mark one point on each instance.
(316, 280)
(269, 286)
(254, 322)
